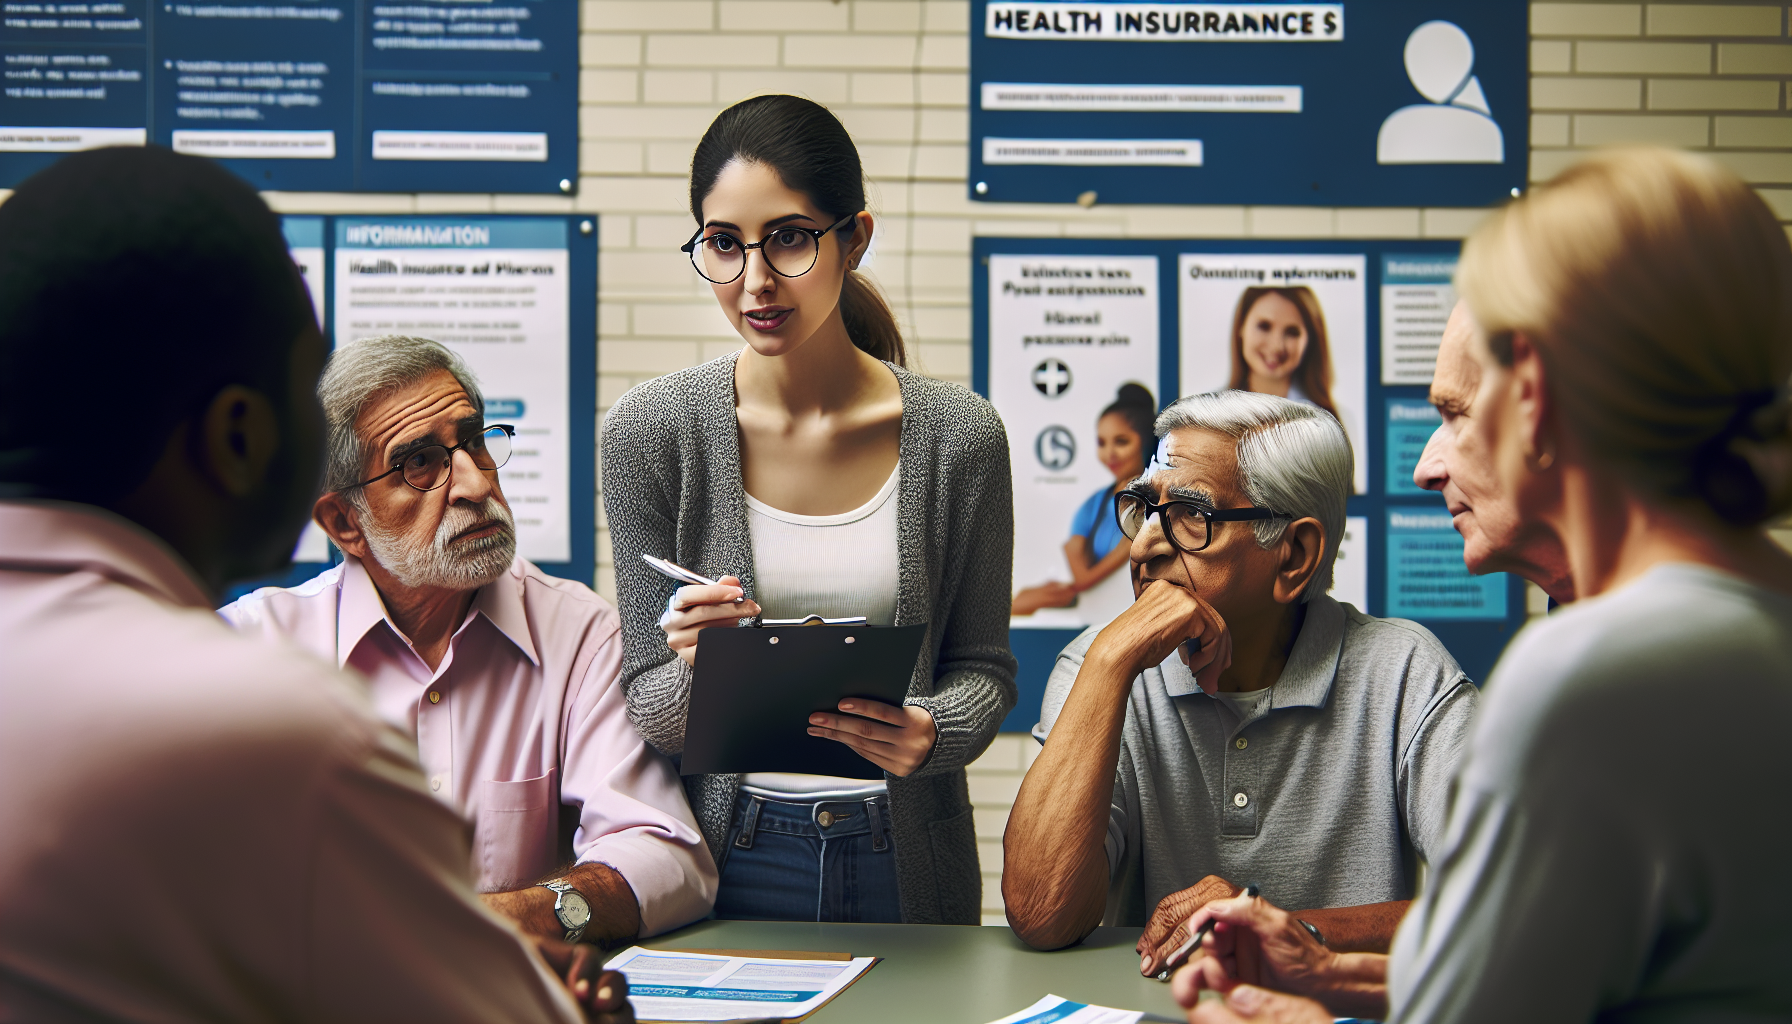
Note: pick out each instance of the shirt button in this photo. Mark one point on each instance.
(1241, 743)
(1239, 799)
(434, 697)
(826, 818)
(436, 784)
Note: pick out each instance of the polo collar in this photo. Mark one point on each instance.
(1306, 680)
(361, 609)
(66, 536)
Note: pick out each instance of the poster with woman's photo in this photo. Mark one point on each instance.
(1280, 324)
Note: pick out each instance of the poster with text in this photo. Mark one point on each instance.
(1283, 324)
(496, 293)
(1065, 334)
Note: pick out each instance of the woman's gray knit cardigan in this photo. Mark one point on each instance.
(672, 488)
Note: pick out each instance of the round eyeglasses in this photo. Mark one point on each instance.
(430, 466)
(1189, 525)
(789, 251)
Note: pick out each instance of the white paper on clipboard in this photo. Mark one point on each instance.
(672, 986)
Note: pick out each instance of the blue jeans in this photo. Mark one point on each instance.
(782, 864)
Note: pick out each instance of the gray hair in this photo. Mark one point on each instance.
(1292, 458)
(364, 370)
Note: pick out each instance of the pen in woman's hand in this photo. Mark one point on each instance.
(681, 574)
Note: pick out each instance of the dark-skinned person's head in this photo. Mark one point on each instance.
(158, 356)
(411, 481)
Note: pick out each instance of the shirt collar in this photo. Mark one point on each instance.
(361, 609)
(66, 536)
(1306, 680)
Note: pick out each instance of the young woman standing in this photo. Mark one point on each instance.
(812, 472)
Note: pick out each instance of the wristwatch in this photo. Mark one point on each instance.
(570, 907)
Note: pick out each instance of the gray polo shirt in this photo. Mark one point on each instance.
(1328, 794)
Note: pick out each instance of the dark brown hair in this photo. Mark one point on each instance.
(811, 152)
(1314, 374)
(1134, 404)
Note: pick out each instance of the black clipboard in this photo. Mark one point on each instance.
(755, 687)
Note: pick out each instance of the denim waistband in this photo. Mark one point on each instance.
(823, 819)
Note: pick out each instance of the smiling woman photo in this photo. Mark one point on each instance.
(811, 471)
(1279, 346)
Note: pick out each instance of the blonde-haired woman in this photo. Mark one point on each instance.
(1618, 840)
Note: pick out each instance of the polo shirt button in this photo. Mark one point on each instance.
(436, 783)
(826, 818)
(1241, 743)
(1239, 799)
(434, 697)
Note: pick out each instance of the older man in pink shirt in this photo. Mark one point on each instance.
(505, 676)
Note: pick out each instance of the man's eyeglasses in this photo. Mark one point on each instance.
(1188, 524)
(789, 251)
(429, 467)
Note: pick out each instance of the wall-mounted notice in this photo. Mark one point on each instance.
(305, 240)
(324, 95)
(1395, 103)
(1426, 577)
(1416, 298)
(1410, 424)
(1065, 333)
(496, 292)
(1290, 325)
(1350, 573)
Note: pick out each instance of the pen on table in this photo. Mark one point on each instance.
(1180, 957)
(681, 574)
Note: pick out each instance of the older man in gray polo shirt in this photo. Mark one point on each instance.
(1236, 723)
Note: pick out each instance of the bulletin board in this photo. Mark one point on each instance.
(1384, 304)
(516, 298)
(311, 95)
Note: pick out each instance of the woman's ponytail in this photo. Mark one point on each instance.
(869, 322)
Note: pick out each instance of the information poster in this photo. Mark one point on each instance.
(1416, 298)
(496, 292)
(1350, 573)
(1411, 422)
(305, 240)
(1065, 333)
(1426, 577)
(1291, 324)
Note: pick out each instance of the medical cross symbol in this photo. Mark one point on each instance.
(1052, 378)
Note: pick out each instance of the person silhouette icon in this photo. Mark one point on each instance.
(1456, 127)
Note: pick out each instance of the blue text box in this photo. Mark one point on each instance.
(1426, 577)
(1411, 422)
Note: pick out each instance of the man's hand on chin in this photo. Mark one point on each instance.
(1161, 619)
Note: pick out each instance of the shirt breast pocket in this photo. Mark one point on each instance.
(514, 832)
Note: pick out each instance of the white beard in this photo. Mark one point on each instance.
(468, 565)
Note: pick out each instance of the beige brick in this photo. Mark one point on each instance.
(994, 789)
(686, 123)
(689, 321)
(1586, 19)
(944, 89)
(645, 272)
(1289, 222)
(849, 51)
(508, 203)
(887, 16)
(1093, 225)
(937, 161)
(1017, 228)
(1754, 58)
(948, 16)
(670, 157)
(655, 357)
(1759, 168)
(936, 234)
(437, 202)
(990, 822)
(1185, 221)
(735, 50)
(940, 53)
(1003, 755)
(667, 195)
(1551, 56)
(610, 387)
(1372, 223)
(663, 231)
(603, 50)
(1550, 129)
(783, 16)
(882, 87)
(1606, 129)
(1449, 223)
(821, 86)
(339, 202)
(1779, 199)
(1713, 20)
(1651, 58)
(944, 198)
(989, 856)
(1712, 94)
(879, 124)
(951, 362)
(943, 323)
(946, 126)
(619, 86)
(615, 231)
(612, 322)
(1755, 132)
(679, 15)
(1547, 163)
(1586, 94)
(686, 85)
(937, 272)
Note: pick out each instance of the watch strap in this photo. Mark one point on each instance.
(560, 887)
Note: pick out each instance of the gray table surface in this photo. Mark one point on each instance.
(949, 973)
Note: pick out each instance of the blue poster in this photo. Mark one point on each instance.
(1394, 103)
(1426, 577)
(1411, 422)
(316, 95)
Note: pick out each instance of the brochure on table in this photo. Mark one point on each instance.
(674, 986)
(1059, 1010)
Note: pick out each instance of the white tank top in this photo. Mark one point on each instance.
(837, 565)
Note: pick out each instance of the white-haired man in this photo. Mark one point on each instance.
(1236, 723)
(505, 677)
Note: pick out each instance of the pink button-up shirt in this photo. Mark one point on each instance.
(522, 717)
(198, 826)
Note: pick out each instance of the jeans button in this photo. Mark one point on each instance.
(826, 818)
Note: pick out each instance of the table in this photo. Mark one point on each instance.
(953, 974)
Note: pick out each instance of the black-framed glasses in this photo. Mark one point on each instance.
(790, 251)
(1188, 524)
(430, 466)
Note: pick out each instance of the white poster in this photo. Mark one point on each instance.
(495, 292)
(1417, 295)
(1350, 573)
(1065, 334)
(305, 242)
(1281, 324)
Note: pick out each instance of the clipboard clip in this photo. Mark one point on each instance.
(813, 619)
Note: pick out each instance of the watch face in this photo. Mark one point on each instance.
(574, 911)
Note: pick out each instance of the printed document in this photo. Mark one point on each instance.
(673, 986)
(1059, 1010)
